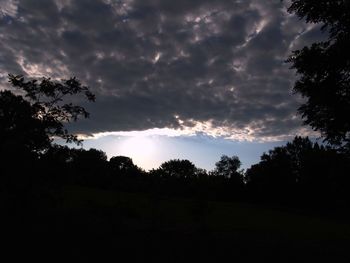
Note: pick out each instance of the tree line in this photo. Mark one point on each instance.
(301, 172)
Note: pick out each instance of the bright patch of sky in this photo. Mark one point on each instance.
(149, 149)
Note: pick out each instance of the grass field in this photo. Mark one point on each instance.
(148, 227)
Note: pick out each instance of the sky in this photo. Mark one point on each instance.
(173, 79)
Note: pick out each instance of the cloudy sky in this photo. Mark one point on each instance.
(173, 79)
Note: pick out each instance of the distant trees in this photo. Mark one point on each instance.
(299, 172)
(176, 169)
(88, 167)
(324, 70)
(300, 168)
(88, 161)
(228, 167)
(123, 166)
(278, 169)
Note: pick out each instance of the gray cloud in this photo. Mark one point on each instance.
(161, 63)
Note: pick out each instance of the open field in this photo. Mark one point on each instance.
(140, 226)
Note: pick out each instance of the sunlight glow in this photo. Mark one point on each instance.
(138, 146)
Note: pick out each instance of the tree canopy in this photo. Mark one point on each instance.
(227, 166)
(324, 69)
(20, 127)
(300, 166)
(38, 111)
(177, 168)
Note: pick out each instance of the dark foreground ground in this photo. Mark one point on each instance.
(102, 225)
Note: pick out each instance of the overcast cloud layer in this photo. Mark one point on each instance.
(214, 65)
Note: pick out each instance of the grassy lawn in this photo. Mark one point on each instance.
(176, 230)
(215, 216)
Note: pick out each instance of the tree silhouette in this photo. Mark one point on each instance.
(124, 168)
(49, 103)
(21, 131)
(226, 180)
(29, 119)
(273, 175)
(121, 164)
(227, 167)
(88, 165)
(299, 170)
(324, 69)
(177, 168)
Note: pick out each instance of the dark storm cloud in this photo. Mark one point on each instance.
(160, 63)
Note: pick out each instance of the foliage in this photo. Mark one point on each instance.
(43, 108)
(300, 168)
(227, 166)
(324, 69)
(20, 129)
(122, 165)
(88, 158)
(31, 114)
(227, 169)
(177, 168)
